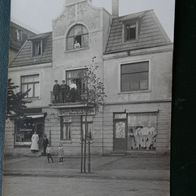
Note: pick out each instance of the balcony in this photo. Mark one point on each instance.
(73, 96)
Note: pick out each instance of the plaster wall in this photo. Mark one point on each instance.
(160, 78)
(45, 79)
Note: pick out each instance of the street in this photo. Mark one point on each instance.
(47, 186)
(111, 175)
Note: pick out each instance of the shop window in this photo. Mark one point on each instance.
(77, 37)
(37, 48)
(24, 129)
(31, 82)
(130, 30)
(75, 79)
(89, 128)
(135, 76)
(142, 131)
(65, 128)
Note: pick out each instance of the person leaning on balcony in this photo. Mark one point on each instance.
(64, 88)
(56, 91)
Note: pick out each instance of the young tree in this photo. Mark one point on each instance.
(15, 101)
(93, 96)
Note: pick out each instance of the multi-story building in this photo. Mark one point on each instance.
(134, 59)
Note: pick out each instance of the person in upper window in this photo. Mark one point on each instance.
(76, 44)
(56, 91)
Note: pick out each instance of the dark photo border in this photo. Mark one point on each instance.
(183, 152)
(4, 44)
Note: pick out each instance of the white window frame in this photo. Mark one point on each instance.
(26, 83)
(124, 29)
(149, 75)
(40, 41)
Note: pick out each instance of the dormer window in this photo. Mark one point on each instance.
(37, 47)
(77, 37)
(130, 30)
(19, 35)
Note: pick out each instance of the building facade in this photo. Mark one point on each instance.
(134, 59)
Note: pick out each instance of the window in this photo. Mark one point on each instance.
(24, 129)
(134, 76)
(75, 79)
(89, 129)
(37, 47)
(31, 82)
(142, 131)
(19, 35)
(130, 31)
(65, 128)
(77, 37)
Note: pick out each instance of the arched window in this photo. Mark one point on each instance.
(77, 37)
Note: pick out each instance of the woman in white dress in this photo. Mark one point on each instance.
(34, 142)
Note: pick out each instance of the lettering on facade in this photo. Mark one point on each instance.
(77, 112)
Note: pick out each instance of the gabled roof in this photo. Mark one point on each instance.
(151, 33)
(26, 33)
(25, 57)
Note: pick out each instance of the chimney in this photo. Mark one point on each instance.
(115, 8)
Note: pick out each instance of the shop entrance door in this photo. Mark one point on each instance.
(120, 135)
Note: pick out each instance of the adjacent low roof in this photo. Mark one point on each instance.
(151, 33)
(25, 57)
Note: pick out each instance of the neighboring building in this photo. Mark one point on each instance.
(134, 56)
(18, 35)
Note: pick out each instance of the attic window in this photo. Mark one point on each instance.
(37, 47)
(19, 35)
(130, 30)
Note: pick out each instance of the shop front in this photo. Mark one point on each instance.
(25, 127)
(134, 131)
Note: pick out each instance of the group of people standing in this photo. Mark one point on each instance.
(47, 150)
(63, 93)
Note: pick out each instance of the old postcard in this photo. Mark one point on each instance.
(89, 98)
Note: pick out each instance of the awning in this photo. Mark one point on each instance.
(34, 116)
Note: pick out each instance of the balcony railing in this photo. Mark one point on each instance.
(72, 96)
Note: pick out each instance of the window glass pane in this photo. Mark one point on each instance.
(24, 88)
(134, 76)
(134, 67)
(131, 33)
(143, 84)
(26, 79)
(37, 89)
(35, 78)
(30, 86)
(68, 132)
(70, 43)
(85, 40)
(142, 131)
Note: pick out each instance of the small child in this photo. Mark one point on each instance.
(60, 152)
(49, 155)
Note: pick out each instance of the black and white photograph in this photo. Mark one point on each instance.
(89, 98)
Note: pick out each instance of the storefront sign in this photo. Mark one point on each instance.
(77, 111)
(25, 130)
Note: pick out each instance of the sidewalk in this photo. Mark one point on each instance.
(106, 167)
